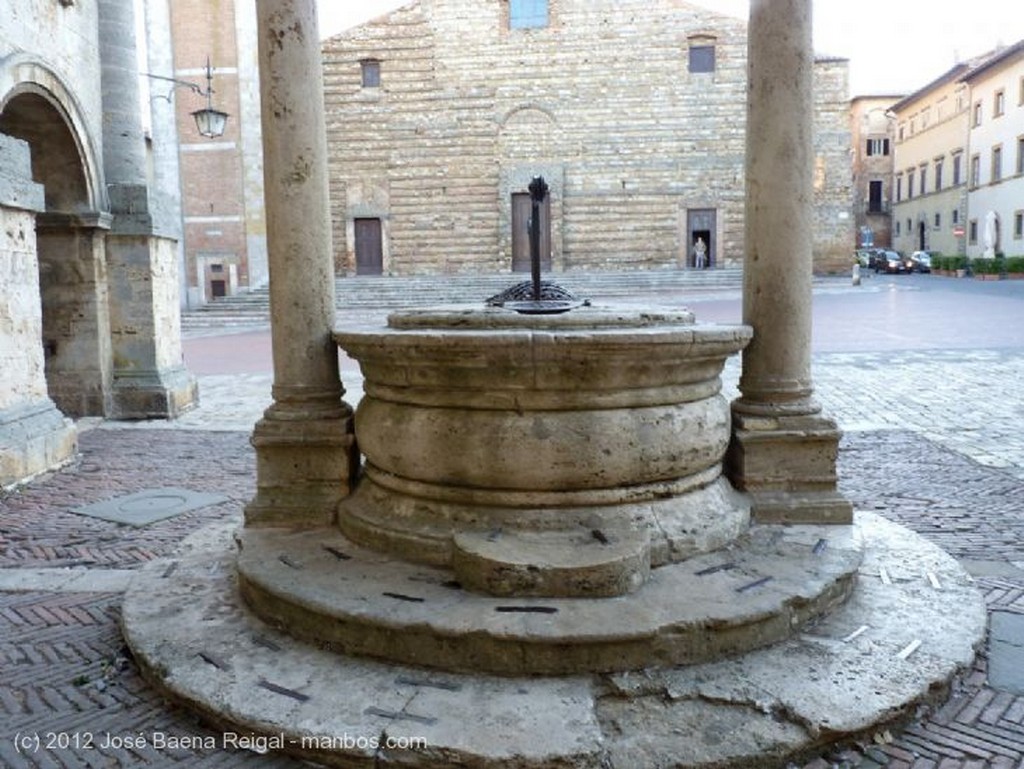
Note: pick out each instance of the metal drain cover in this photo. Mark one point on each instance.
(149, 506)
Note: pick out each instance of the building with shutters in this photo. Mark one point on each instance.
(872, 130)
(441, 112)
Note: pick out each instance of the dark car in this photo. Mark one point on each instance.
(921, 261)
(867, 257)
(891, 261)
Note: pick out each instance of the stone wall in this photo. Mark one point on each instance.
(601, 102)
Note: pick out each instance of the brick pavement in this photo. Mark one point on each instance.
(946, 464)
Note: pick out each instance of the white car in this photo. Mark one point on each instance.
(922, 261)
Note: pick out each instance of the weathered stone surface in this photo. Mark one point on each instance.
(597, 420)
(196, 642)
(758, 590)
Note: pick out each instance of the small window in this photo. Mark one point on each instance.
(1020, 155)
(957, 170)
(1018, 225)
(938, 175)
(975, 170)
(897, 228)
(702, 58)
(216, 268)
(956, 216)
(938, 221)
(899, 188)
(999, 103)
(878, 147)
(371, 73)
(910, 184)
(924, 180)
(976, 120)
(972, 232)
(527, 14)
(997, 164)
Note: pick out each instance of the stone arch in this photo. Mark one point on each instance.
(28, 86)
(70, 233)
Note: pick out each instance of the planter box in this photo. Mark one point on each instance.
(987, 276)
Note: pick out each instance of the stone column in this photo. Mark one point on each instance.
(306, 457)
(34, 435)
(783, 449)
(150, 378)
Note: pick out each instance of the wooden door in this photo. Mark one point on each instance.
(369, 247)
(522, 207)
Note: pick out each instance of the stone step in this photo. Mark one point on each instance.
(584, 563)
(379, 292)
(757, 591)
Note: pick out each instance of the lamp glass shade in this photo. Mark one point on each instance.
(210, 122)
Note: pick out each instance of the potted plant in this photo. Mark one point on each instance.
(1015, 267)
(986, 269)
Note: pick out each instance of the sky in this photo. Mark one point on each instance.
(894, 46)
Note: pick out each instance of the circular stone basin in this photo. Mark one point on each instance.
(546, 455)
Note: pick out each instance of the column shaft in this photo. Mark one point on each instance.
(305, 449)
(779, 199)
(783, 452)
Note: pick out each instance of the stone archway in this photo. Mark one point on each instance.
(70, 232)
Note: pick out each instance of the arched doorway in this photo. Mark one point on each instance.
(70, 251)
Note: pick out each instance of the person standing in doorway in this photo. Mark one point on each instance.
(699, 253)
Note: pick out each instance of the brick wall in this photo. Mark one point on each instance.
(601, 102)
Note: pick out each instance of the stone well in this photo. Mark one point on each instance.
(542, 567)
(551, 486)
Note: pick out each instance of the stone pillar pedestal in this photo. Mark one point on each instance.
(149, 374)
(34, 435)
(306, 457)
(783, 450)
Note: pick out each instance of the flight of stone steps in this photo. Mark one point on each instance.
(374, 292)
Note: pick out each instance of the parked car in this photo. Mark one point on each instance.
(891, 261)
(922, 261)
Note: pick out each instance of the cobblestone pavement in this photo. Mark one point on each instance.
(934, 440)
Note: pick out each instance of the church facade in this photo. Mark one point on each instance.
(440, 113)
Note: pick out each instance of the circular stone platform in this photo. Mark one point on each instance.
(759, 590)
(894, 644)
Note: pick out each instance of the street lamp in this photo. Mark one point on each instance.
(210, 122)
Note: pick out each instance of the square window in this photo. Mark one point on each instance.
(702, 58)
(370, 73)
(527, 14)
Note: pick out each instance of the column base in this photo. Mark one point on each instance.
(34, 437)
(304, 468)
(161, 394)
(787, 464)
